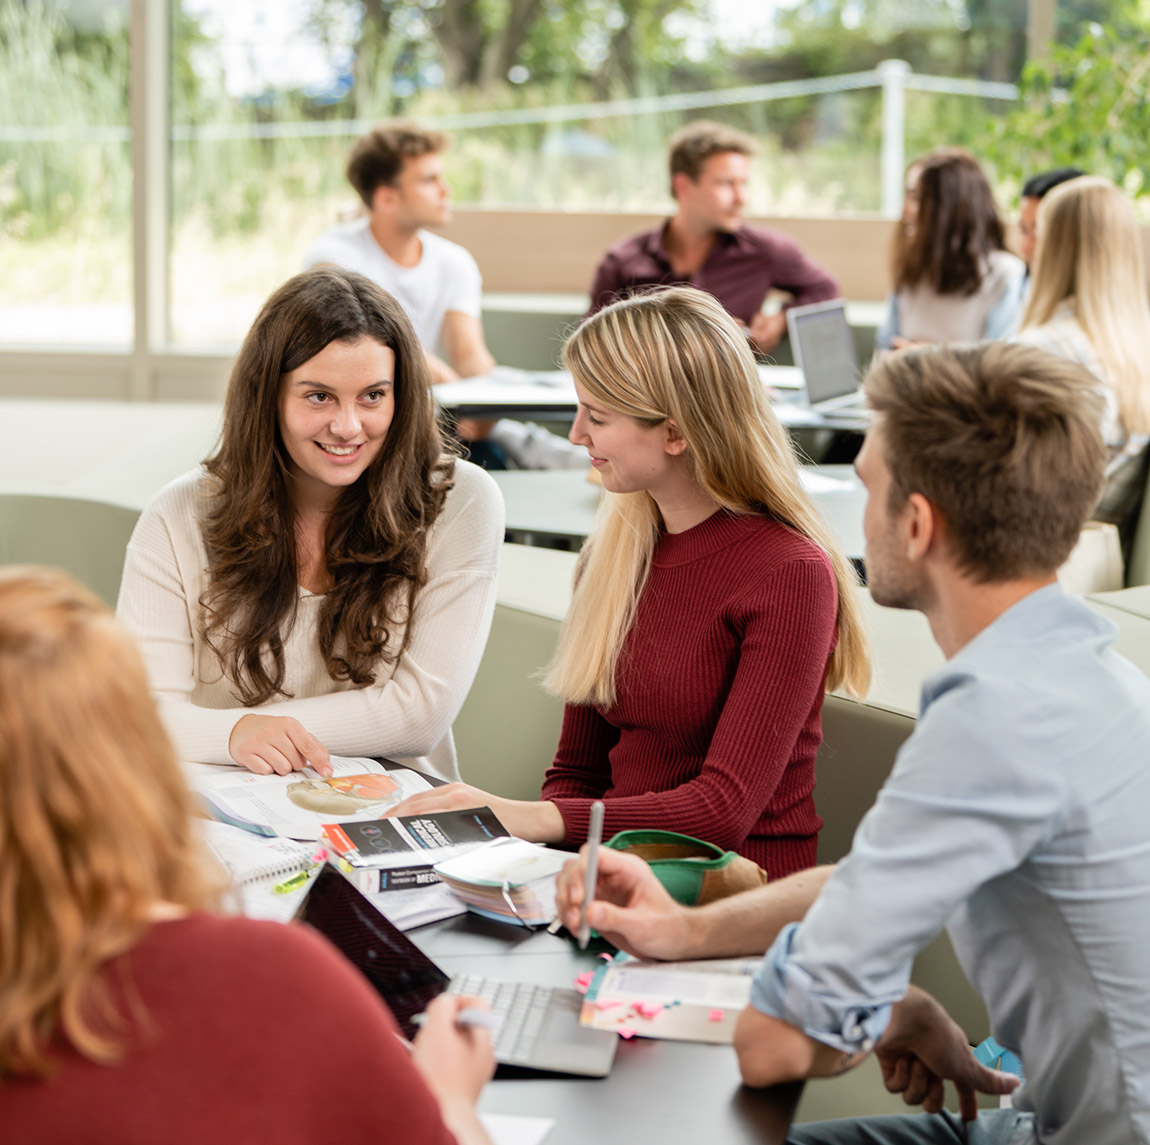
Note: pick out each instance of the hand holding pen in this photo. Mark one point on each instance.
(454, 1054)
(591, 872)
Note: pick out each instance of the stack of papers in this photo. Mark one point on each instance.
(509, 879)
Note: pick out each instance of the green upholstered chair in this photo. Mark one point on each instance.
(1138, 566)
(85, 538)
(506, 732)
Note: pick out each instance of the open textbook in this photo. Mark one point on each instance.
(299, 804)
(681, 1001)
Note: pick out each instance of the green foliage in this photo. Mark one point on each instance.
(1086, 106)
(51, 81)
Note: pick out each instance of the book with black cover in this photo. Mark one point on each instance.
(400, 851)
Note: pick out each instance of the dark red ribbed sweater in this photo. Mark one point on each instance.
(250, 1032)
(720, 690)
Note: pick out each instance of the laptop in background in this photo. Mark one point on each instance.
(541, 1029)
(824, 350)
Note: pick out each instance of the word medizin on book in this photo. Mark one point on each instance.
(399, 853)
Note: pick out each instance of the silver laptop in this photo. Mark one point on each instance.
(824, 351)
(540, 1030)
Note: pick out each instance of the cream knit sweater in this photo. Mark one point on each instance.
(406, 715)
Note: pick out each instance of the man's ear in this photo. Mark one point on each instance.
(674, 443)
(383, 198)
(922, 528)
(678, 181)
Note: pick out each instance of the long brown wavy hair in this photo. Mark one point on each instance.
(958, 225)
(95, 819)
(376, 541)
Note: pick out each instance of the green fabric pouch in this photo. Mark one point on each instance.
(694, 872)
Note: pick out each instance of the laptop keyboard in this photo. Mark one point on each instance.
(522, 1007)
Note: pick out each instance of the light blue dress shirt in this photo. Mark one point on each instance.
(1018, 816)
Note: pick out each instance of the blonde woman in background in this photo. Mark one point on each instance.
(129, 1013)
(712, 610)
(1088, 303)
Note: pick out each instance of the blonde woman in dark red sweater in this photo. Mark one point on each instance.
(713, 608)
(131, 1014)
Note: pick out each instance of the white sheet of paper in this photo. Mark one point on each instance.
(514, 1129)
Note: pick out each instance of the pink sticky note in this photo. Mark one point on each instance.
(649, 1009)
(715, 1016)
(626, 1032)
(607, 957)
(583, 982)
(605, 1005)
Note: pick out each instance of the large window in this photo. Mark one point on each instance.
(239, 116)
(65, 174)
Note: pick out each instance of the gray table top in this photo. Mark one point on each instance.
(672, 1093)
(563, 503)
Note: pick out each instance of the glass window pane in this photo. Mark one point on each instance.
(65, 174)
(260, 135)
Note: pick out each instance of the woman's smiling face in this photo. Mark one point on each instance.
(334, 414)
(628, 455)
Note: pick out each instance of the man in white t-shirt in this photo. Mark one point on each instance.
(397, 170)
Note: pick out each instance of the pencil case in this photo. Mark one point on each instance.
(693, 872)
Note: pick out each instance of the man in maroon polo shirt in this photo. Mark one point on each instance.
(706, 243)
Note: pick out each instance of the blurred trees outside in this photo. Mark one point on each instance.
(251, 166)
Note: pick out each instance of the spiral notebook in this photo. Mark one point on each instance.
(250, 859)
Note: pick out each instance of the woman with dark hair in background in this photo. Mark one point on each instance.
(954, 280)
(325, 583)
(129, 1013)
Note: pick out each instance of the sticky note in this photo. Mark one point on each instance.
(626, 1032)
(649, 1009)
(584, 981)
(715, 1016)
(605, 1005)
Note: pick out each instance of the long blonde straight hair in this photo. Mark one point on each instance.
(676, 353)
(1089, 250)
(95, 819)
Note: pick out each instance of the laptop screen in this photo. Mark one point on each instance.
(403, 976)
(825, 350)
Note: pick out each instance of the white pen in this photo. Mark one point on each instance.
(591, 873)
(469, 1016)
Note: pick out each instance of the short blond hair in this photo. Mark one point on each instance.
(1003, 440)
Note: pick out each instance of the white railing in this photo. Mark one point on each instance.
(893, 77)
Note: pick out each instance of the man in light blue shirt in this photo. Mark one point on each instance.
(1016, 814)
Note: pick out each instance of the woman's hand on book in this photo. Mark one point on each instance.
(529, 819)
(280, 744)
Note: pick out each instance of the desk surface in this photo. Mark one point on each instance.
(511, 392)
(674, 1093)
(564, 503)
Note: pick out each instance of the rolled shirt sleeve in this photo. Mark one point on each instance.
(959, 809)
